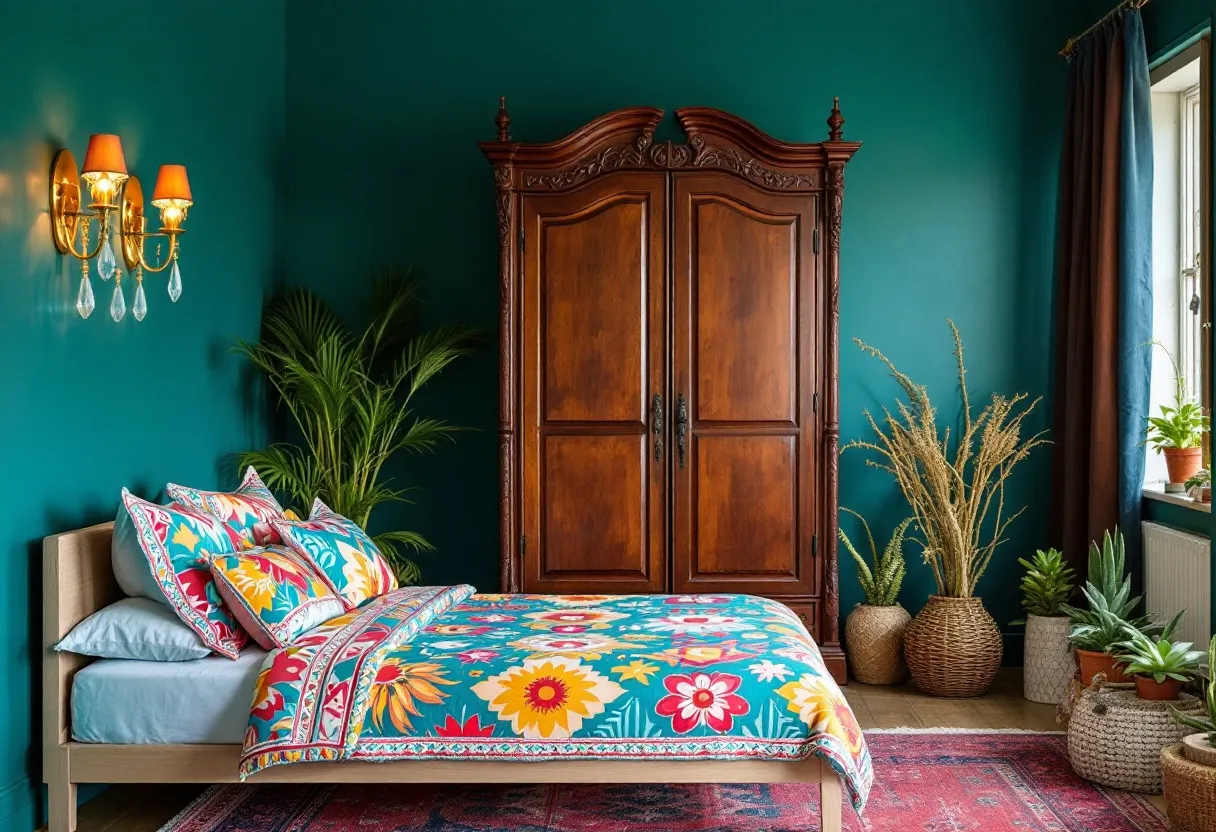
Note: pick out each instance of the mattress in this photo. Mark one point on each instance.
(200, 701)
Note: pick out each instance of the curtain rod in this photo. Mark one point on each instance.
(1067, 51)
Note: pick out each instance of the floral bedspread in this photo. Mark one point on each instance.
(440, 673)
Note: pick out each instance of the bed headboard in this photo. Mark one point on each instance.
(77, 581)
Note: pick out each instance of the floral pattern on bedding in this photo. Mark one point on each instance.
(428, 673)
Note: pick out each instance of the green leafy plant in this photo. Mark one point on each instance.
(881, 582)
(1159, 658)
(1100, 628)
(1200, 479)
(1181, 425)
(348, 394)
(1047, 583)
(1204, 723)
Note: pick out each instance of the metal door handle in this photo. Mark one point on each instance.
(656, 425)
(681, 427)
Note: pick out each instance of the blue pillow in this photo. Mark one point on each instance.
(135, 628)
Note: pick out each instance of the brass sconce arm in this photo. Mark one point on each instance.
(68, 220)
(133, 233)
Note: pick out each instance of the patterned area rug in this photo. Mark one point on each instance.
(935, 782)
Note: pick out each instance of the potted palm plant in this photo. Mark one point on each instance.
(952, 482)
(1159, 666)
(1178, 431)
(1097, 630)
(875, 630)
(1201, 747)
(1048, 664)
(348, 395)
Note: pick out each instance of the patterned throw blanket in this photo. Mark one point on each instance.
(438, 673)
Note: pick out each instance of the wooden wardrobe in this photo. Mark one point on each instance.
(669, 355)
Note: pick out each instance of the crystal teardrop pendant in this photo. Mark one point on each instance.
(84, 298)
(106, 264)
(140, 308)
(175, 282)
(118, 304)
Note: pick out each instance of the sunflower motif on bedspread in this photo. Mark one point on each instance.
(441, 674)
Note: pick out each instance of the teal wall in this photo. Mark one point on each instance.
(949, 207)
(91, 406)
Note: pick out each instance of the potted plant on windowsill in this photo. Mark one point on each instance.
(1048, 663)
(1199, 486)
(1159, 666)
(1097, 630)
(1178, 431)
(874, 631)
(951, 481)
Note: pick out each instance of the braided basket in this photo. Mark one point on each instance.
(1115, 738)
(875, 637)
(953, 647)
(1190, 792)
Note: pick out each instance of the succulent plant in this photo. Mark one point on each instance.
(1204, 723)
(1159, 658)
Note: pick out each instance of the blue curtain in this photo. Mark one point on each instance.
(1135, 278)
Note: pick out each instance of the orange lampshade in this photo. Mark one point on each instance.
(105, 155)
(171, 183)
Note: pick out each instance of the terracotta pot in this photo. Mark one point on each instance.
(1149, 688)
(1092, 663)
(1197, 749)
(875, 639)
(953, 647)
(1182, 463)
(1048, 659)
(1205, 495)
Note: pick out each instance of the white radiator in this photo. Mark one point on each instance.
(1178, 576)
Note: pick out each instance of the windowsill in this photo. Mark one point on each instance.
(1157, 492)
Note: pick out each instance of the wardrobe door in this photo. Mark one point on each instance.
(594, 333)
(746, 349)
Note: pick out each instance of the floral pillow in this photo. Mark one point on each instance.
(341, 552)
(274, 593)
(248, 510)
(177, 543)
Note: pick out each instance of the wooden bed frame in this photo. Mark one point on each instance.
(78, 581)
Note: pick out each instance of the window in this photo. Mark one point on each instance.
(1181, 117)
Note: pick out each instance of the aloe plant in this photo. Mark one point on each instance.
(1205, 723)
(1047, 583)
(882, 581)
(1108, 593)
(1159, 658)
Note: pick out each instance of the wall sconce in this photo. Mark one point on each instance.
(105, 172)
(112, 189)
(172, 196)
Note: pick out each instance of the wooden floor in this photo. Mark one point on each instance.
(146, 809)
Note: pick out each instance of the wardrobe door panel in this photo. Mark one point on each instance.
(594, 333)
(745, 294)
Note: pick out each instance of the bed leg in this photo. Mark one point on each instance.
(60, 793)
(829, 801)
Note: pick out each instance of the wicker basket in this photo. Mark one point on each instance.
(953, 647)
(1190, 792)
(875, 637)
(1115, 738)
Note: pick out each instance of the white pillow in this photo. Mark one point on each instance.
(135, 628)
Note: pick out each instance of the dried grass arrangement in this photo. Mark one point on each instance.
(952, 491)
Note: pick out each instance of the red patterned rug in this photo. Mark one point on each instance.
(987, 782)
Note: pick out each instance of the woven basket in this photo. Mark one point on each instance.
(875, 637)
(1115, 738)
(953, 647)
(1190, 792)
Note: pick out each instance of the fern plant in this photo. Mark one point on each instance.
(881, 582)
(348, 394)
(1205, 723)
(1047, 583)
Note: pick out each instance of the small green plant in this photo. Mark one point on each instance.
(1108, 593)
(882, 581)
(1159, 658)
(1047, 583)
(1205, 723)
(1181, 425)
(1200, 479)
